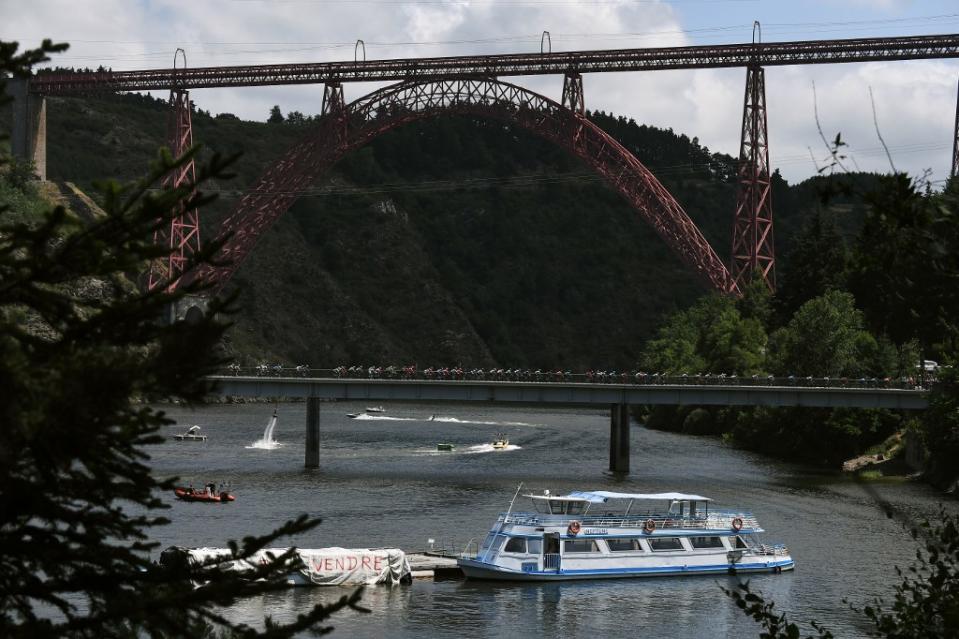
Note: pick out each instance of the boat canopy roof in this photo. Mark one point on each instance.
(600, 496)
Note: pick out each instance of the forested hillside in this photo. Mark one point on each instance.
(449, 241)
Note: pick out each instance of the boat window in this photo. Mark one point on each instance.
(706, 542)
(534, 546)
(580, 545)
(620, 544)
(541, 506)
(516, 544)
(737, 543)
(665, 543)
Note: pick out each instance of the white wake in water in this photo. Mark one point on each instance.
(488, 448)
(454, 420)
(364, 417)
(267, 442)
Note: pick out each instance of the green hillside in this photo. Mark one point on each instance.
(450, 241)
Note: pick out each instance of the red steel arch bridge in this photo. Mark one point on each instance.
(432, 87)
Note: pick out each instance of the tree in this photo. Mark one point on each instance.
(78, 343)
(826, 337)
(907, 262)
(926, 602)
(276, 116)
(756, 302)
(817, 263)
(711, 336)
(295, 118)
(941, 427)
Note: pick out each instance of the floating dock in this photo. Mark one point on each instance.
(429, 565)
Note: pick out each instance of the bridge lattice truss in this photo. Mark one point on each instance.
(505, 65)
(345, 128)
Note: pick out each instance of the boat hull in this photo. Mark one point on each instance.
(479, 570)
(202, 496)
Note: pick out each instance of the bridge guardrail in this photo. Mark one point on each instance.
(636, 378)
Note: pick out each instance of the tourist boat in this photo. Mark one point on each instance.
(501, 442)
(191, 434)
(208, 493)
(445, 446)
(582, 536)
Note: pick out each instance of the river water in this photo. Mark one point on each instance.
(382, 483)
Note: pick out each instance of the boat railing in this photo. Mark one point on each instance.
(771, 549)
(660, 521)
(551, 561)
(471, 544)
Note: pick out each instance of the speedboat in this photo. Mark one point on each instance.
(191, 434)
(353, 415)
(600, 534)
(375, 409)
(208, 493)
(444, 446)
(501, 442)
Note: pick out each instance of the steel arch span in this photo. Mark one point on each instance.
(343, 128)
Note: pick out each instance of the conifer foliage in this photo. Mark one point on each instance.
(81, 351)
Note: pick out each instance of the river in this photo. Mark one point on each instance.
(381, 482)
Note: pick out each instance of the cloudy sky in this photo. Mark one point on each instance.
(915, 101)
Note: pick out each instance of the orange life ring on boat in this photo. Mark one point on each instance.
(574, 528)
(649, 526)
(737, 523)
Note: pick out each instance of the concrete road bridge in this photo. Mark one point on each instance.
(616, 396)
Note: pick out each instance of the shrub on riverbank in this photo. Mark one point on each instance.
(832, 333)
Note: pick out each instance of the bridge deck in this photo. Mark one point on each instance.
(568, 393)
(522, 64)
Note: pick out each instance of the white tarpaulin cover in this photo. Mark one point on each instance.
(320, 566)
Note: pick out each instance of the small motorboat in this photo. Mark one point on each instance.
(208, 493)
(375, 409)
(353, 415)
(444, 446)
(501, 442)
(192, 434)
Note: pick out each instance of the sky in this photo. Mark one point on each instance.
(915, 101)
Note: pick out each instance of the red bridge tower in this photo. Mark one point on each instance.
(753, 249)
(182, 236)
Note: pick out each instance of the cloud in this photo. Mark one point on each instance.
(915, 101)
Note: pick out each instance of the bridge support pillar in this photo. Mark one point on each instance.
(334, 107)
(182, 237)
(312, 432)
(29, 132)
(573, 97)
(955, 142)
(619, 438)
(753, 250)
